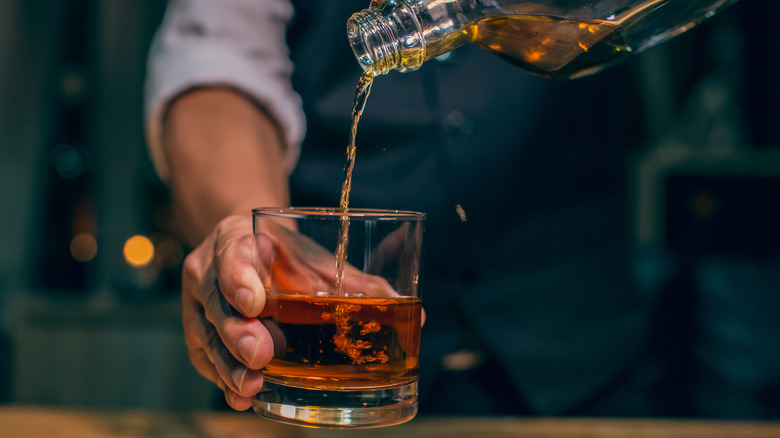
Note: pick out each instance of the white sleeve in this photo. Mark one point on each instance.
(236, 43)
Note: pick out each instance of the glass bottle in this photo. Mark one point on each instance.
(552, 38)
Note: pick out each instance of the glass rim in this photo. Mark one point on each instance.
(336, 213)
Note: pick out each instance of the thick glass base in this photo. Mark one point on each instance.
(351, 409)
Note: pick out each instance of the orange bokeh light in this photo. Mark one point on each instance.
(138, 251)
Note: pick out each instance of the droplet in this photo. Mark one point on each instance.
(461, 212)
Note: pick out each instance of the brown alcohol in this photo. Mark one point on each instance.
(343, 343)
(358, 104)
(553, 38)
(548, 46)
(552, 47)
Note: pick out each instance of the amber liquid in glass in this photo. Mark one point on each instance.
(343, 343)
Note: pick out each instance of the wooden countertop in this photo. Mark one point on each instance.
(23, 421)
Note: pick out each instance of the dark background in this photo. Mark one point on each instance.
(73, 160)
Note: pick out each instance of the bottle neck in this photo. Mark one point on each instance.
(386, 38)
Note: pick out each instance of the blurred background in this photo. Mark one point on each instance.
(90, 259)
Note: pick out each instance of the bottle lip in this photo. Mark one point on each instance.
(371, 41)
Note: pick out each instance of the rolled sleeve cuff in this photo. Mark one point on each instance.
(178, 64)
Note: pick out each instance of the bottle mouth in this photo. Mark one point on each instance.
(373, 42)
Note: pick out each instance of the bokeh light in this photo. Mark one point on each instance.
(83, 247)
(138, 251)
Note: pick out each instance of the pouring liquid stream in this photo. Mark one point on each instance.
(358, 104)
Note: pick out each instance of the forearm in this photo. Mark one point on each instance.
(225, 158)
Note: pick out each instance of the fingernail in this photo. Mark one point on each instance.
(238, 377)
(247, 348)
(245, 300)
(230, 397)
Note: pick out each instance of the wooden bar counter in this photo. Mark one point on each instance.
(24, 421)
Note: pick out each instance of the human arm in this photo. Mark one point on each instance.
(244, 167)
(223, 135)
(224, 156)
(223, 127)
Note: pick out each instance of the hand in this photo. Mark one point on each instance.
(222, 294)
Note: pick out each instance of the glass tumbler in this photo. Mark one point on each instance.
(344, 311)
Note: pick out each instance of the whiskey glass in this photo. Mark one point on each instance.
(346, 330)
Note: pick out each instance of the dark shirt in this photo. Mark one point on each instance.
(537, 279)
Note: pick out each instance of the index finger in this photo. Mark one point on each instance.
(235, 266)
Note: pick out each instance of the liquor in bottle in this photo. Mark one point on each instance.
(553, 38)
